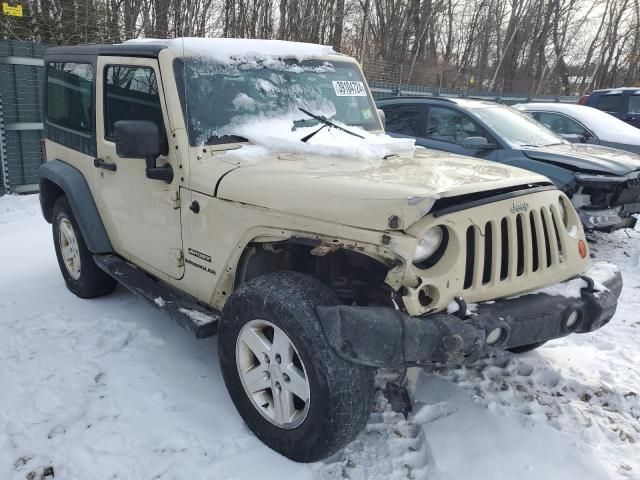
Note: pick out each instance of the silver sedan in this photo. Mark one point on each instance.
(582, 124)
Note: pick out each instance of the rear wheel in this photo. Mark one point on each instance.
(80, 273)
(291, 389)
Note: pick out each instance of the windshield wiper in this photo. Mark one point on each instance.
(219, 140)
(327, 123)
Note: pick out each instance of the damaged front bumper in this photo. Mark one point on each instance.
(382, 337)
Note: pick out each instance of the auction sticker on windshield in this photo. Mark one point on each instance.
(349, 88)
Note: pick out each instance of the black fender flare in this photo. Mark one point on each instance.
(59, 178)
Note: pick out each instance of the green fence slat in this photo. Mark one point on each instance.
(21, 87)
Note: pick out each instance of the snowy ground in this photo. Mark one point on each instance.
(111, 389)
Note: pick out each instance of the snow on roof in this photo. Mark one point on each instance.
(225, 49)
(606, 127)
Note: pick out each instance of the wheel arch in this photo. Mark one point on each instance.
(316, 257)
(58, 178)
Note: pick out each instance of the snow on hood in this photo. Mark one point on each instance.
(225, 50)
(278, 136)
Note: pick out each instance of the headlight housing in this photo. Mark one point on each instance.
(430, 247)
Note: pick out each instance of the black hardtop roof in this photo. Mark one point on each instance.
(133, 50)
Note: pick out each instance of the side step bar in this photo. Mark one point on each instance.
(199, 320)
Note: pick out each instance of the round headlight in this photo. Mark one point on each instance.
(428, 244)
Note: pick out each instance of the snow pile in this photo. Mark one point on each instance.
(225, 50)
(276, 136)
(571, 289)
(391, 447)
(601, 273)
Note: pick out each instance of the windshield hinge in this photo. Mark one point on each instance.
(178, 255)
(172, 197)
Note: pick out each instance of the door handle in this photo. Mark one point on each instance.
(100, 163)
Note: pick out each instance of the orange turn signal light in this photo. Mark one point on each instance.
(582, 248)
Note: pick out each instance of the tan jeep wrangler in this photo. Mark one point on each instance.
(313, 267)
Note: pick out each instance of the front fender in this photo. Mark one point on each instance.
(58, 177)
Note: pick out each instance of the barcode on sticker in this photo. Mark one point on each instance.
(349, 88)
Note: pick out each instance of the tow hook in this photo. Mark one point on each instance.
(462, 308)
(398, 397)
(590, 288)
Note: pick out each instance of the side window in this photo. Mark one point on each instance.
(404, 119)
(609, 103)
(69, 95)
(634, 104)
(561, 124)
(447, 125)
(131, 93)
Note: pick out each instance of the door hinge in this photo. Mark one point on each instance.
(172, 197)
(178, 255)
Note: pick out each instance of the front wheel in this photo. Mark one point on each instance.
(526, 348)
(291, 389)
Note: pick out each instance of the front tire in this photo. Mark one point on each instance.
(291, 389)
(81, 274)
(526, 348)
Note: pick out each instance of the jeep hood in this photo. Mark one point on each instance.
(364, 193)
(587, 158)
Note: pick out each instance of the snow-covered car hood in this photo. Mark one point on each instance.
(588, 158)
(364, 193)
(605, 126)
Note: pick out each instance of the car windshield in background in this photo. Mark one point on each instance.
(516, 128)
(216, 97)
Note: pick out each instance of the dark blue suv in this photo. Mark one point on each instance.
(603, 183)
(622, 103)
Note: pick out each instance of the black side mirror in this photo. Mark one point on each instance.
(477, 143)
(383, 118)
(141, 139)
(585, 137)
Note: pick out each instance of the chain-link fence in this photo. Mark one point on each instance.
(392, 79)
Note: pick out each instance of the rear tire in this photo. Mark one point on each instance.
(526, 348)
(80, 272)
(275, 308)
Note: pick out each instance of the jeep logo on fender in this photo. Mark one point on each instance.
(518, 207)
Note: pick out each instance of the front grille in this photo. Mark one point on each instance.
(522, 244)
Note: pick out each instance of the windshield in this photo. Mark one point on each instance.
(218, 97)
(517, 128)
